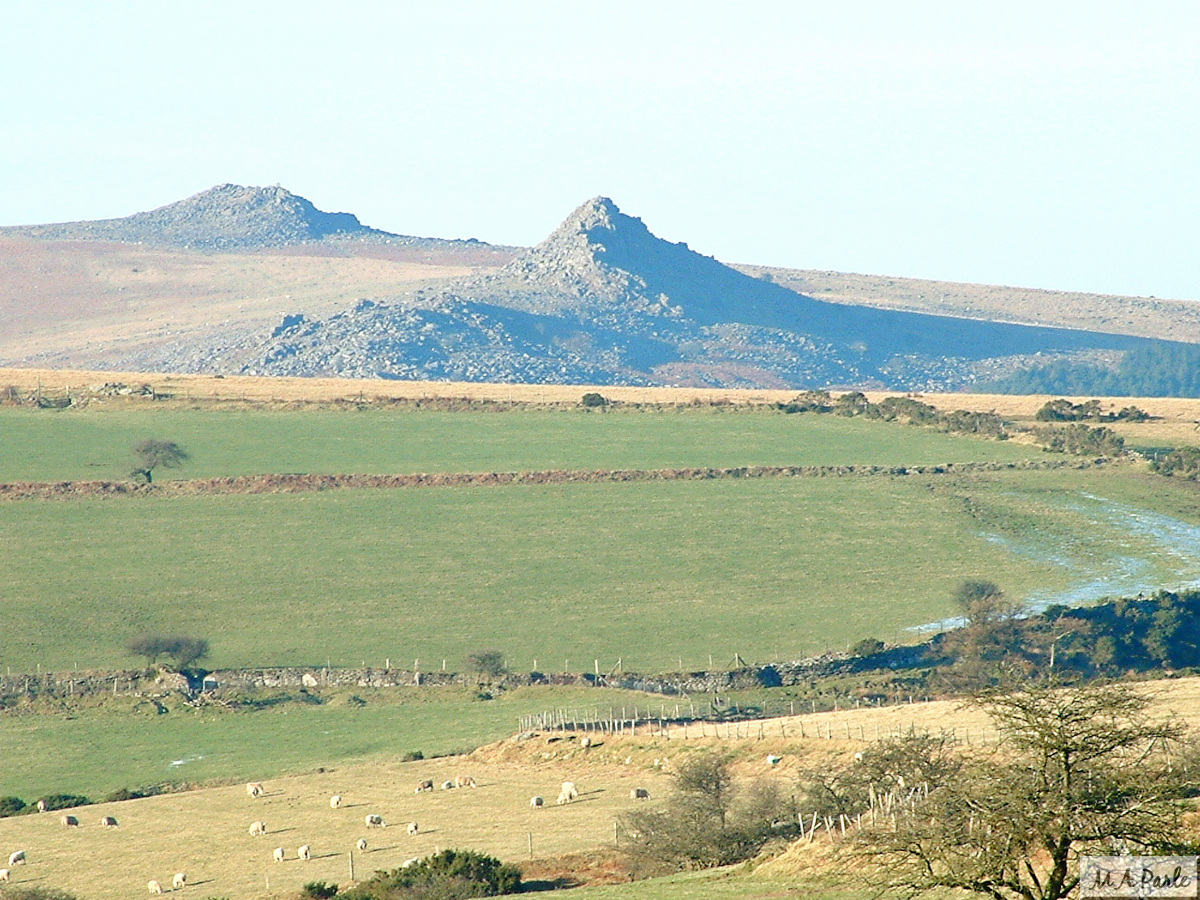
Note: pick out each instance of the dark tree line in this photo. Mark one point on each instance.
(1161, 369)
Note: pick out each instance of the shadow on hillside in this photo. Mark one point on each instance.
(549, 884)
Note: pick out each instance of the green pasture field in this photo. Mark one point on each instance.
(93, 748)
(653, 573)
(656, 574)
(94, 443)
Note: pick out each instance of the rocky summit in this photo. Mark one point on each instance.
(604, 301)
(225, 217)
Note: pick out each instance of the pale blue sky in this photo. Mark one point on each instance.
(1043, 144)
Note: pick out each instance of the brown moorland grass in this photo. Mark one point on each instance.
(1171, 410)
(204, 832)
(1176, 420)
(75, 301)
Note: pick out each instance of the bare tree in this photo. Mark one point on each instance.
(1081, 770)
(152, 454)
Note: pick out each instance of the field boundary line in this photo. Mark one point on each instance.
(297, 484)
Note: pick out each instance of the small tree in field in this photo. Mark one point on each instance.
(487, 662)
(153, 454)
(183, 652)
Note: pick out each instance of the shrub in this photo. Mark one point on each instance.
(449, 875)
(10, 806)
(63, 801)
(318, 890)
(183, 651)
(867, 647)
(487, 662)
(22, 892)
(592, 400)
(707, 822)
(412, 756)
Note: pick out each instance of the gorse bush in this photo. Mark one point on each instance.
(449, 875)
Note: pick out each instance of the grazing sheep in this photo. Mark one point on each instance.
(335, 801)
(279, 854)
(374, 821)
(16, 858)
(108, 822)
(413, 827)
(563, 798)
(70, 822)
(773, 759)
(447, 785)
(537, 802)
(409, 863)
(585, 742)
(463, 781)
(426, 785)
(639, 794)
(42, 807)
(4, 874)
(153, 887)
(304, 852)
(568, 788)
(362, 845)
(258, 828)
(254, 789)
(179, 882)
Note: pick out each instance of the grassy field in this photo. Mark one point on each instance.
(94, 443)
(648, 572)
(94, 748)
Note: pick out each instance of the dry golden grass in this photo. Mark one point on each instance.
(1176, 422)
(1173, 412)
(205, 833)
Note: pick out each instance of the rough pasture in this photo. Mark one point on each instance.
(209, 837)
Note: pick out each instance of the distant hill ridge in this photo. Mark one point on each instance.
(225, 217)
(602, 300)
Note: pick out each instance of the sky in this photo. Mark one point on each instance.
(1037, 144)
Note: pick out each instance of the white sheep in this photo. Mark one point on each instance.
(4, 874)
(335, 801)
(42, 806)
(409, 863)
(773, 759)
(447, 785)
(374, 821)
(568, 788)
(563, 798)
(639, 794)
(70, 822)
(464, 781)
(179, 882)
(585, 742)
(304, 852)
(16, 858)
(254, 789)
(413, 827)
(258, 828)
(153, 886)
(426, 785)
(279, 854)
(362, 845)
(108, 822)
(536, 802)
